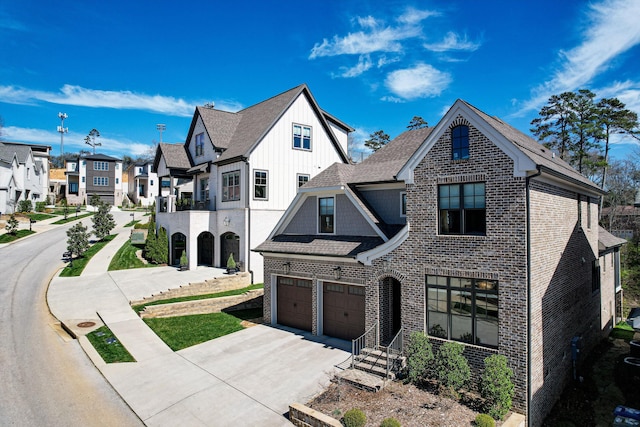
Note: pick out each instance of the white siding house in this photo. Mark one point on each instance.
(23, 174)
(244, 169)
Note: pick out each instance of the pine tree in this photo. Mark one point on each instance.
(417, 123)
(151, 243)
(377, 140)
(162, 247)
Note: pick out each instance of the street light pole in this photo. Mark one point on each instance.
(161, 127)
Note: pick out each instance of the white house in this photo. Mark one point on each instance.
(143, 184)
(244, 169)
(23, 174)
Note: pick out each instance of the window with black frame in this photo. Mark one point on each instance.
(460, 142)
(463, 309)
(462, 208)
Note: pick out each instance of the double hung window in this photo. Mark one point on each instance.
(260, 185)
(231, 186)
(302, 137)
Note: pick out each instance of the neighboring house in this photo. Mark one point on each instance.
(469, 231)
(232, 180)
(57, 184)
(94, 174)
(143, 184)
(24, 174)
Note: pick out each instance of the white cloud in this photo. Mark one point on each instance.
(392, 99)
(611, 30)
(79, 96)
(364, 63)
(421, 81)
(452, 41)
(73, 141)
(374, 36)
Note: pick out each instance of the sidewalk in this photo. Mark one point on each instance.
(247, 378)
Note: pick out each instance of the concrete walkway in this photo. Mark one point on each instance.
(247, 378)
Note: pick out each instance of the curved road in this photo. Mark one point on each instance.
(46, 379)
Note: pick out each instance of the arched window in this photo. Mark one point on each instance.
(460, 142)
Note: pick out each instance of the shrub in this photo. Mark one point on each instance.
(354, 418)
(25, 206)
(390, 422)
(419, 357)
(231, 263)
(484, 420)
(496, 386)
(184, 261)
(451, 368)
(40, 206)
(12, 225)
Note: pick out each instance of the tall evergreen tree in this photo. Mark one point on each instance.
(162, 247)
(377, 140)
(150, 246)
(417, 123)
(103, 221)
(554, 123)
(583, 127)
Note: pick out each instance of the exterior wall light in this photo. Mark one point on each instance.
(287, 267)
(337, 273)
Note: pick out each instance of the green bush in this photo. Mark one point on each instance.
(419, 357)
(25, 206)
(484, 420)
(354, 418)
(451, 368)
(496, 386)
(390, 422)
(40, 206)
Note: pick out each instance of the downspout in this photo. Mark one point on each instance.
(248, 207)
(528, 209)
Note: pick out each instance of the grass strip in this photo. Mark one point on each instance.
(140, 307)
(186, 331)
(72, 218)
(40, 216)
(75, 268)
(126, 258)
(623, 331)
(6, 238)
(132, 223)
(108, 346)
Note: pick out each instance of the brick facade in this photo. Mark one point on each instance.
(540, 232)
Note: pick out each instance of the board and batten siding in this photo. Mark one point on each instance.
(208, 152)
(275, 154)
(236, 204)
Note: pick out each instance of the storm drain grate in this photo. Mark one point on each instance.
(86, 324)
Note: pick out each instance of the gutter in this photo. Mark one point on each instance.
(528, 212)
(248, 208)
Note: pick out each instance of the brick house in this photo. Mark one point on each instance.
(236, 174)
(469, 231)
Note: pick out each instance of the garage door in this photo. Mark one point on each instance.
(343, 310)
(294, 303)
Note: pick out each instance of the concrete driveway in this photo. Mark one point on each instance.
(248, 378)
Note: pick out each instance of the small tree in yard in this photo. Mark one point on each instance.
(65, 207)
(451, 368)
(162, 247)
(496, 386)
(103, 221)
(12, 225)
(78, 239)
(419, 357)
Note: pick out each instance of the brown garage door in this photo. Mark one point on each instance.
(343, 310)
(294, 302)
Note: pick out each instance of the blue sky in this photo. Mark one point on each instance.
(123, 67)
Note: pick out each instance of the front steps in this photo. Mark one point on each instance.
(369, 370)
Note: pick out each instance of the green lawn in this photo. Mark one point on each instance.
(75, 268)
(73, 217)
(622, 330)
(139, 308)
(126, 258)
(186, 331)
(6, 238)
(108, 346)
(40, 216)
(132, 223)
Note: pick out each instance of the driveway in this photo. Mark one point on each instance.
(247, 378)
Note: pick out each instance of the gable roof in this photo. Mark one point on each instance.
(529, 156)
(175, 156)
(381, 166)
(237, 134)
(101, 157)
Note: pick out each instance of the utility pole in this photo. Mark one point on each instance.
(91, 139)
(62, 131)
(161, 127)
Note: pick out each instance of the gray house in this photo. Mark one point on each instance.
(469, 231)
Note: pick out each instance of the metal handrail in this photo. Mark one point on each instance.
(394, 351)
(364, 341)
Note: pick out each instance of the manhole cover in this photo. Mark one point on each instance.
(86, 324)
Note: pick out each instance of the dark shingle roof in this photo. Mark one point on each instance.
(175, 155)
(101, 157)
(537, 152)
(222, 123)
(381, 166)
(345, 246)
(607, 240)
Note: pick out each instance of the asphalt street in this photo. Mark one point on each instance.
(46, 377)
